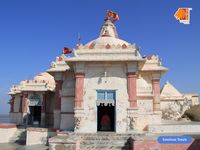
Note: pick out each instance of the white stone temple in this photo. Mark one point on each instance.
(106, 85)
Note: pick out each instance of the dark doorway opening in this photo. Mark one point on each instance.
(106, 118)
(34, 118)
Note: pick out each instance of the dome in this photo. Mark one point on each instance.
(107, 40)
(45, 77)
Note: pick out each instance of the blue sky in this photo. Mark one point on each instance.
(33, 33)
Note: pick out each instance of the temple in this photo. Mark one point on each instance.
(106, 85)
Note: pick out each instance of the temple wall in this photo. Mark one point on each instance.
(144, 94)
(95, 79)
(145, 106)
(144, 85)
(15, 118)
(67, 102)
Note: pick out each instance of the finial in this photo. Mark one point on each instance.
(112, 16)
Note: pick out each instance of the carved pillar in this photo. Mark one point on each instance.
(156, 94)
(43, 109)
(78, 108)
(25, 103)
(12, 104)
(132, 93)
(79, 89)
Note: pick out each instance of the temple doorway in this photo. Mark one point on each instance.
(106, 118)
(34, 117)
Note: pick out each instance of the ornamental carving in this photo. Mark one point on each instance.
(132, 123)
(77, 122)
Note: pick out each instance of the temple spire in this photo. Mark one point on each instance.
(108, 30)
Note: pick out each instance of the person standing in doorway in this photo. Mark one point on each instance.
(105, 122)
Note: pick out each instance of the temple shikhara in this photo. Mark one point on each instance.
(104, 85)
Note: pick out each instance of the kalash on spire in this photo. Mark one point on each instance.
(108, 29)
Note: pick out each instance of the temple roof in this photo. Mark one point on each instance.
(107, 47)
(152, 63)
(59, 65)
(41, 82)
(169, 92)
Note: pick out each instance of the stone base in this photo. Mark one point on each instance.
(188, 127)
(36, 136)
(7, 131)
(144, 120)
(63, 142)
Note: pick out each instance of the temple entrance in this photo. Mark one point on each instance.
(106, 117)
(34, 117)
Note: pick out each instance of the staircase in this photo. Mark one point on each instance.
(19, 136)
(92, 141)
(105, 141)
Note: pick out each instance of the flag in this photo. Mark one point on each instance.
(113, 15)
(66, 50)
(183, 15)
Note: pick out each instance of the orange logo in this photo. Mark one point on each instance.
(183, 15)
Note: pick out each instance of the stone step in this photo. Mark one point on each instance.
(104, 147)
(19, 136)
(103, 142)
(106, 138)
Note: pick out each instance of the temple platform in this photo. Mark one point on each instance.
(175, 127)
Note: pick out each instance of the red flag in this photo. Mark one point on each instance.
(66, 50)
(113, 15)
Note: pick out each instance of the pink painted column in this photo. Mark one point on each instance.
(44, 103)
(12, 104)
(57, 94)
(132, 93)
(79, 89)
(25, 103)
(156, 94)
(20, 105)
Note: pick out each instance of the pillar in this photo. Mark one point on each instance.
(44, 103)
(43, 109)
(57, 105)
(156, 94)
(20, 105)
(79, 90)
(12, 104)
(25, 109)
(132, 93)
(25, 103)
(78, 108)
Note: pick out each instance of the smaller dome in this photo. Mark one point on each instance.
(45, 77)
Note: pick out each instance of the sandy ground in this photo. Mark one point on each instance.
(14, 146)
